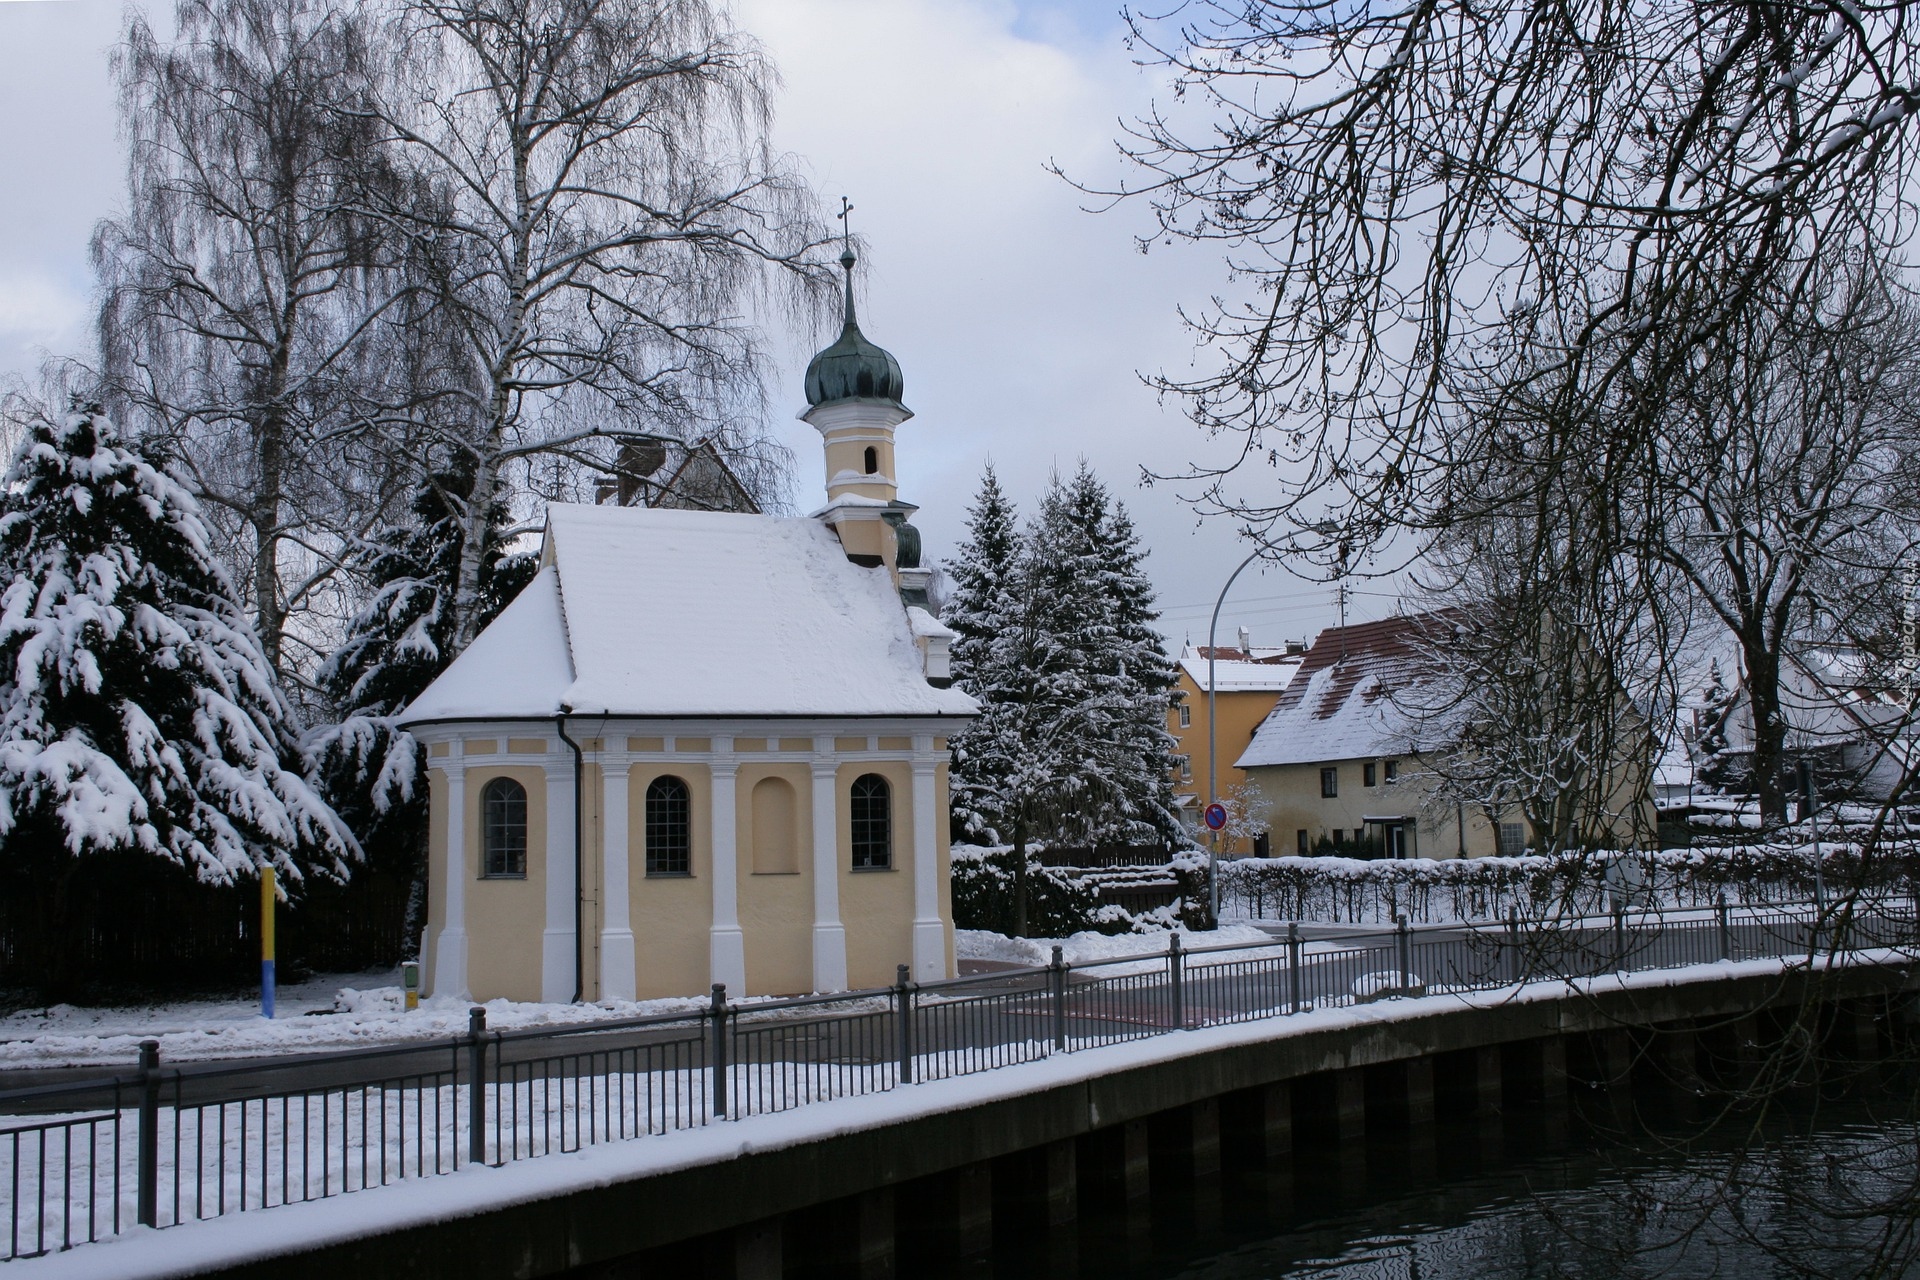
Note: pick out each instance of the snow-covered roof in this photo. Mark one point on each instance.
(1254, 670)
(646, 612)
(1351, 697)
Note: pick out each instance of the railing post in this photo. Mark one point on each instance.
(1057, 981)
(1293, 966)
(147, 1206)
(717, 1052)
(1726, 924)
(1619, 937)
(1403, 945)
(1515, 970)
(476, 1085)
(1174, 976)
(903, 1020)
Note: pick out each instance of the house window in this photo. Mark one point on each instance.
(1300, 841)
(873, 459)
(1262, 846)
(1186, 716)
(1329, 783)
(1183, 765)
(503, 830)
(1513, 839)
(1393, 771)
(1339, 835)
(669, 828)
(1367, 776)
(872, 821)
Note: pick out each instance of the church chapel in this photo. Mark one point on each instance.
(704, 746)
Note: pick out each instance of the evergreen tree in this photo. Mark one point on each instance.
(983, 575)
(1058, 646)
(397, 644)
(138, 711)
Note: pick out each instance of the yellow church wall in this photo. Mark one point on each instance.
(776, 895)
(877, 906)
(670, 915)
(505, 916)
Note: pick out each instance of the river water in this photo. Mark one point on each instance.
(1814, 1187)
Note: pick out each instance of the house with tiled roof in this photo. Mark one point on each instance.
(1342, 760)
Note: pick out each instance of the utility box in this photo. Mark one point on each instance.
(410, 979)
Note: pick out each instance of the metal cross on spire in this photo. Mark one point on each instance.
(846, 253)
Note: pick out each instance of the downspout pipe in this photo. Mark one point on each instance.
(579, 854)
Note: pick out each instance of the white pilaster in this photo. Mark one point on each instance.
(617, 971)
(829, 937)
(929, 935)
(557, 942)
(450, 952)
(727, 950)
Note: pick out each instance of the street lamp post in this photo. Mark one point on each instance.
(1213, 743)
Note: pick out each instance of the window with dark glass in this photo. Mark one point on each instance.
(1393, 771)
(1329, 783)
(1300, 842)
(871, 810)
(669, 825)
(872, 459)
(503, 829)
(1367, 774)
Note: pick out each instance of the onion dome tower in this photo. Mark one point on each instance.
(853, 400)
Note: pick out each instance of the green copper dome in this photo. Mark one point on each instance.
(853, 368)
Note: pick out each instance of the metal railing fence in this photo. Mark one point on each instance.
(166, 1145)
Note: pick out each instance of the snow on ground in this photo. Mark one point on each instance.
(254, 1237)
(1086, 948)
(337, 1011)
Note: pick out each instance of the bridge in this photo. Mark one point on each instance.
(912, 1122)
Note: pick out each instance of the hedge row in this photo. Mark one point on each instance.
(1433, 891)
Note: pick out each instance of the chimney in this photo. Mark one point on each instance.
(1246, 641)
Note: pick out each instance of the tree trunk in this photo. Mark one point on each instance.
(1769, 730)
(269, 617)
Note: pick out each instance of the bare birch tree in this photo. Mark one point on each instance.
(604, 210)
(239, 288)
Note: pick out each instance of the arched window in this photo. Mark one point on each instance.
(503, 829)
(872, 814)
(669, 828)
(873, 459)
(775, 851)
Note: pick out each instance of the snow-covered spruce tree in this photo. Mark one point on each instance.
(399, 641)
(981, 573)
(1071, 744)
(138, 712)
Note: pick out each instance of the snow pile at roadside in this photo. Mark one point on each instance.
(1084, 948)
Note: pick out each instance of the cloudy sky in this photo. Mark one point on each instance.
(1022, 322)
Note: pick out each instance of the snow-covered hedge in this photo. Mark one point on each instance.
(1346, 890)
(1063, 900)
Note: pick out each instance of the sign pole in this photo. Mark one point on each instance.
(267, 897)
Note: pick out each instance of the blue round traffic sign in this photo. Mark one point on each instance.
(1216, 816)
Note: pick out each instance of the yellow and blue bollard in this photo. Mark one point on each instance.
(267, 897)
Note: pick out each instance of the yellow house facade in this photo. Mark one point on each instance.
(1246, 682)
(704, 747)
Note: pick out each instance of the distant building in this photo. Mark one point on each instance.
(1248, 681)
(1339, 760)
(703, 745)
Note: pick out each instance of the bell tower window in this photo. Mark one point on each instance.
(873, 460)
